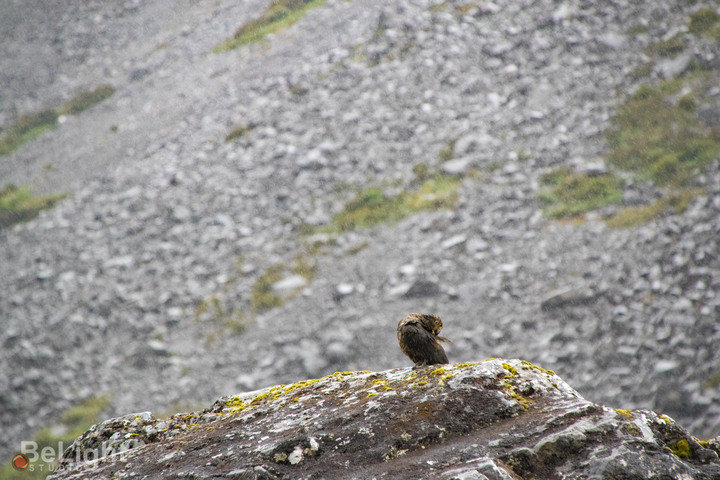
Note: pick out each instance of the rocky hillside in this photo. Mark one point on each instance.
(239, 218)
(497, 420)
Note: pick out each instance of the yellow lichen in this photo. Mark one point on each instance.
(295, 386)
(438, 371)
(631, 429)
(627, 414)
(524, 401)
(444, 378)
(339, 375)
(527, 366)
(234, 404)
(513, 371)
(681, 449)
(382, 383)
(465, 365)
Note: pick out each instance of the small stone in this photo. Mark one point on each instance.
(181, 213)
(407, 270)
(568, 298)
(476, 245)
(620, 310)
(45, 272)
(453, 241)
(664, 366)
(289, 283)
(456, 166)
(123, 261)
(593, 169)
(509, 267)
(344, 289)
(158, 347)
(422, 288)
(683, 305)
(295, 456)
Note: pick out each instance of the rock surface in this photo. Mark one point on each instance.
(101, 295)
(495, 420)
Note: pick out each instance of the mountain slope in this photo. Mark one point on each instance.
(147, 277)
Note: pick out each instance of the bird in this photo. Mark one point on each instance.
(418, 335)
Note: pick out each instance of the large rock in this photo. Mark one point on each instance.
(497, 419)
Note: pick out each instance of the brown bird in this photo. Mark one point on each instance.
(418, 337)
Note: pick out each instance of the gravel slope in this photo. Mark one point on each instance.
(99, 294)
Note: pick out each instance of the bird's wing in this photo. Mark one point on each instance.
(420, 345)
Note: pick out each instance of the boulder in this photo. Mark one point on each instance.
(497, 419)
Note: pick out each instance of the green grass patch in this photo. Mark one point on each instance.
(655, 135)
(371, 206)
(26, 128)
(230, 319)
(29, 126)
(86, 99)
(448, 151)
(637, 29)
(279, 15)
(659, 140)
(568, 193)
(669, 48)
(637, 215)
(237, 132)
(18, 204)
(264, 297)
(641, 71)
(73, 423)
(705, 21)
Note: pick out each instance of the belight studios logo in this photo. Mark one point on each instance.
(33, 458)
